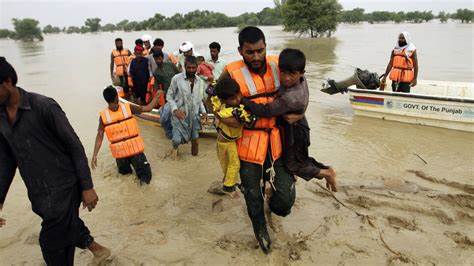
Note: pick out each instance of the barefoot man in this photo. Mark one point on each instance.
(36, 138)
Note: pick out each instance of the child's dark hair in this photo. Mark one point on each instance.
(226, 88)
(200, 58)
(7, 72)
(292, 60)
(110, 94)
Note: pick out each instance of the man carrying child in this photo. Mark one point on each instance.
(260, 148)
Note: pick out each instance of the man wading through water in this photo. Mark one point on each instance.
(260, 148)
(36, 138)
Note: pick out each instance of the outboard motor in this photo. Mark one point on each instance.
(363, 79)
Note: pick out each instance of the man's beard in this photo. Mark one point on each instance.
(119, 48)
(190, 74)
(256, 70)
(401, 44)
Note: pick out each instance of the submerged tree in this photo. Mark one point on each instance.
(443, 17)
(313, 17)
(50, 29)
(27, 29)
(464, 15)
(93, 24)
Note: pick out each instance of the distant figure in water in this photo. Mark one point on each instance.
(403, 65)
(185, 99)
(121, 128)
(140, 74)
(36, 138)
(119, 61)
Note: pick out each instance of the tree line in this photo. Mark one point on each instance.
(358, 15)
(312, 17)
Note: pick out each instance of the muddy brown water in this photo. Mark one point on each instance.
(172, 220)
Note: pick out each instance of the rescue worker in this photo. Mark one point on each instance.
(121, 128)
(119, 60)
(37, 138)
(260, 148)
(403, 65)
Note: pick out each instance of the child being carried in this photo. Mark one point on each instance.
(226, 104)
(293, 98)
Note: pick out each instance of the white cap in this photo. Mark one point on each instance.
(186, 47)
(146, 37)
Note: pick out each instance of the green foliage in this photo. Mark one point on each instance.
(355, 15)
(464, 15)
(443, 17)
(73, 29)
(313, 17)
(108, 27)
(48, 29)
(93, 24)
(27, 29)
(4, 33)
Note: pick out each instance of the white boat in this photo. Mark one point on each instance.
(432, 103)
(154, 117)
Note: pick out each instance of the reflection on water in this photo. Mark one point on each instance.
(320, 51)
(29, 49)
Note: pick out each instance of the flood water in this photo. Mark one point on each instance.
(73, 69)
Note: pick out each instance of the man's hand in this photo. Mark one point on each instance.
(413, 83)
(383, 84)
(330, 176)
(89, 199)
(94, 162)
(292, 118)
(2, 221)
(203, 119)
(179, 114)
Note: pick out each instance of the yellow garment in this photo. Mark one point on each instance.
(226, 112)
(230, 162)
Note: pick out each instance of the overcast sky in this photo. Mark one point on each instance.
(74, 12)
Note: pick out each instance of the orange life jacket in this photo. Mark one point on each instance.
(120, 91)
(122, 131)
(129, 79)
(121, 61)
(253, 145)
(151, 93)
(402, 67)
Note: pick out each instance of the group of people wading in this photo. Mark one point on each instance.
(263, 136)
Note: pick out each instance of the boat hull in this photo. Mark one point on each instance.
(445, 112)
(154, 117)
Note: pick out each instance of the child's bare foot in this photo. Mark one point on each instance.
(100, 253)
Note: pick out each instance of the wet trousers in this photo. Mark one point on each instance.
(139, 163)
(283, 197)
(229, 160)
(62, 230)
(400, 87)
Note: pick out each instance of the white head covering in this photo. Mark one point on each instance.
(409, 47)
(146, 37)
(186, 47)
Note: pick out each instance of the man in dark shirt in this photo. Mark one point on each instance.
(140, 74)
(36, 137)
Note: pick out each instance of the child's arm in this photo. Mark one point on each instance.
(276, 108)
